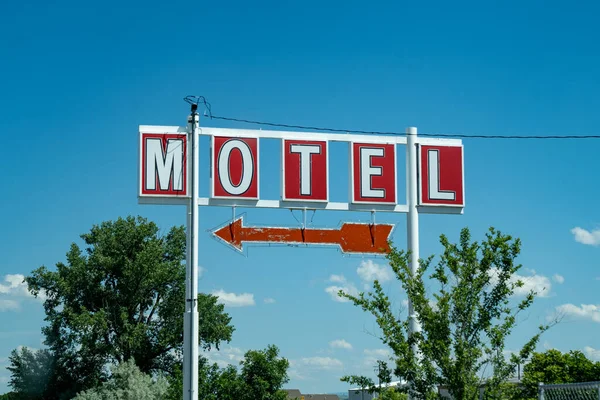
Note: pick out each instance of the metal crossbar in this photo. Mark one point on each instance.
(570, 391)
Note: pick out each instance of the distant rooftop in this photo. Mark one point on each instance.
(391, 384)
(296, 394)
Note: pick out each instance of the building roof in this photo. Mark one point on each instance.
(293, 393)
(513, 380)
(391, 384)
(296, 394)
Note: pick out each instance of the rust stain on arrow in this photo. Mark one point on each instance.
(351, 237)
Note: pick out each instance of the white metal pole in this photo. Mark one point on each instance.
(190, 341)
(412, 225)
(188, 305)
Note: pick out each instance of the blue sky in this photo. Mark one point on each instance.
(77, 78)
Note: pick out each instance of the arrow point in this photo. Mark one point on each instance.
(231, 233)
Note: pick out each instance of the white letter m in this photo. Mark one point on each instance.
(167, 166)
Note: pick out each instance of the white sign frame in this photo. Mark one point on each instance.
(301, 204)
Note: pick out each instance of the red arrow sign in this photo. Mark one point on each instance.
(351, 237)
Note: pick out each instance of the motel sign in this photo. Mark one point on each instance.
(305, 181)
(168, 174)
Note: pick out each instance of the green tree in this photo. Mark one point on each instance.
(261, 375)
(553, 366)
(120, 298)
(31, 372)
(464, 323)
(9, 396)
(384, 374)
(127, 382)
(392, 394)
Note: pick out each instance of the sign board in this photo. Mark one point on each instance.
(304, 164)
(305, 170)
(373, 171)
(350, 237)
(163, 165)
(235, 169)
(441, 176)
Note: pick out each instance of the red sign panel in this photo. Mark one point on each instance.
(305, 170)
(441, 176)
(373, 173)
(235, 167)
(163, 166)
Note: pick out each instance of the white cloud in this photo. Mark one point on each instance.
(15, 285)
(337, 278)
(340, 344)
(308, 368)
(592, 353)
(293, 373)
(299, 370)
(584, 236)
(322, 363)
(369, 271)
(538, 283)
(346, 287)
(558, 278)
(234, 300)
(13, 291)
(225, 356)
(405, 303)
(383, 353)
(586, 311)
(547, 345)
(269, 300)
(9, 305)
(374, 355)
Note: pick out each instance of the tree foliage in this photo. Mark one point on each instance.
(119, 298)
(260, 375)
(553, 366)
(464, 323)
(392, 394)
(127, 382)
(31, 372)
(263, 374)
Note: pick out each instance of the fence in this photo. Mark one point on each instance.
(570, 391)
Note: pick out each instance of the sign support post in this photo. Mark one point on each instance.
(191, 329)
(412, 223)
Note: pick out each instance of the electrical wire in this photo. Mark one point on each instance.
(208, 112)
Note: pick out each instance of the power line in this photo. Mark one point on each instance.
(448, 135)
(201, 99)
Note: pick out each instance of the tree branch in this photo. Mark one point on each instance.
(153, 309)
